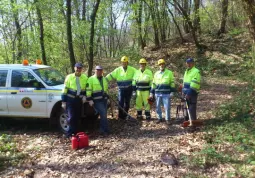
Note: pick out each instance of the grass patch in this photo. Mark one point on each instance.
(9, 153)
(230, 137)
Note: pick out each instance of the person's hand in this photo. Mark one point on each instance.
(187, 97)
(171, 94)
(91, 103)
(84, 99)
(134, 93)
(63, 105)
(151, 95)
(180, 88)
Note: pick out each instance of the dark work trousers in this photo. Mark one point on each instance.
(192, 103)
(101, 107)
(124, 101)
(74, 114)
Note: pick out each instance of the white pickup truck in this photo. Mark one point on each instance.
(32, 91)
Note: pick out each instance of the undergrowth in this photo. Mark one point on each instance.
(9, 153)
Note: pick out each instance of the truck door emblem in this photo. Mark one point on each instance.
(26, 102)
(50, 96)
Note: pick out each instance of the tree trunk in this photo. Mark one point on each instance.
(162, 19)
(187, 18)
(186, 9)
(224, 15)
(40, 21)
(176, 24)
(91, 39)
(196, 21)
(249, 6)
(18, 33)
(69, 33)
(84, 10)
(138, 15)
(154, 23)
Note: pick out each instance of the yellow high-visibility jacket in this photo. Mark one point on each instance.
(96, 89)
(124, 78)
(191, 81)
(69, 91)
(142, 80)
(163, 82)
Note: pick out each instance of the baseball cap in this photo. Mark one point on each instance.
(190, 60)
(78, 64)
(99, 68)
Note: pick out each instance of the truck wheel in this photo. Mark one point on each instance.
(62, 121)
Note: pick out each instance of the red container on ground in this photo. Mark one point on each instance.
(80, 140)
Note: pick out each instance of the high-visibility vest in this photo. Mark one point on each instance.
(163, 82)
(96, 88)
(69, 91)
(124, 78)
(191, 81)
(142, 80)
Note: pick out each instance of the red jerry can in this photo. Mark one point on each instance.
(80, 140)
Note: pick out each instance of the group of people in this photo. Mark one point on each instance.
(140, 83)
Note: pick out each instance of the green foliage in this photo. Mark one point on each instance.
(230, 134)
(9, 153)
(132, 53)
(235, 31)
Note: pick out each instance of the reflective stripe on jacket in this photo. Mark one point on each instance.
(142, 80)
(163, 82)
(124, 78)
(94, 88)
(191, 81)
(69, 91)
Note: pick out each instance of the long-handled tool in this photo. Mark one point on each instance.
(187, 106)
(129, 116)
(111, 108)
(190, 122)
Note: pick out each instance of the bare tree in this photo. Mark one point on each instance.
(18, 33)
(224, 15)
(196, 21)
(249, 6)
(91, 39)
(69, 33)
(40, 21)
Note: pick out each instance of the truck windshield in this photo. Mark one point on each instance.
(50, 76)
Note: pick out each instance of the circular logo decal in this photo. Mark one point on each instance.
(26, 102)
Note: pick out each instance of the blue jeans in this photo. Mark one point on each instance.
(124, 101)
(74, 113)
(166, 100)
(101, 108)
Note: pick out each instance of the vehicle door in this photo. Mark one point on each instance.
(27, 95)
(3, 92)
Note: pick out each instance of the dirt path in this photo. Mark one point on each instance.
(132, 150)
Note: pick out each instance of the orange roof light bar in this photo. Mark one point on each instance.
(38, 61)
(25, 62)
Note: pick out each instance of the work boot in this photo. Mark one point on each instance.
(148, 118)
(148, 115)
(168, 122)
(158, 121)
(139, 115)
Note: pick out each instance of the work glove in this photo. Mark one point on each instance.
(151, 95)
(171, 94)
(63, 105)
(106, 96)
(187, 97)
(180, 88)
(91, 103)
(134, 93)
(84, 99)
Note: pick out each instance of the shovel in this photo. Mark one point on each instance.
(190, 122)
(129, 116)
